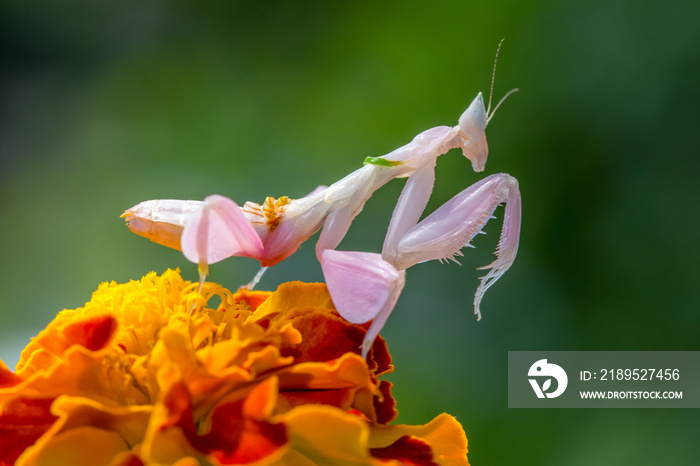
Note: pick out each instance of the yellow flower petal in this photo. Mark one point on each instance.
(295, 294)
(81, 445)
(328, 436)
(444, 435)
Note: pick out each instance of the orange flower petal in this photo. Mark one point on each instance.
(347, 376)
(411, 451)
(295, 294)
(385, 404)
(34, 359)
(170, 428)
(444, 434)
(7, 377)
(22, 422)
(238, 431)
(129, 422)
(251, 298)
(93, 333)
(325, 335)
(326, 435)
(215, 370)
(81, 372)
(82, 445)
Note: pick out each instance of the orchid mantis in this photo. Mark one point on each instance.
(364, 286)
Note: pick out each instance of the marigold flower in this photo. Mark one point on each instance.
(146, 374)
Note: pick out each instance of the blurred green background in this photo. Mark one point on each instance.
(106, 104)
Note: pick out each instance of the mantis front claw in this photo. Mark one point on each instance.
(442, 234)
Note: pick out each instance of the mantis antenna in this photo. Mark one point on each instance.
(493, 79)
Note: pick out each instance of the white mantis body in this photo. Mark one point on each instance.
(364, 286)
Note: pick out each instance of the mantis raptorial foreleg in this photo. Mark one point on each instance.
(366, 286)
(409, 208)
(442, 234)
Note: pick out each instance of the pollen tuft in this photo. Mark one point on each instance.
(273, 211)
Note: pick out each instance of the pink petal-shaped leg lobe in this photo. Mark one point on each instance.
(363, 287)
(217, 230)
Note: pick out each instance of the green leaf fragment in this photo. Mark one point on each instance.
(381, 162)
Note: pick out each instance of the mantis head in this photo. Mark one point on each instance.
(472, 125)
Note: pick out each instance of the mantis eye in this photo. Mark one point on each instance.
(474, 118)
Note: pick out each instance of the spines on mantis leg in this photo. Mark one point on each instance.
(443, 233)
(507, 247)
